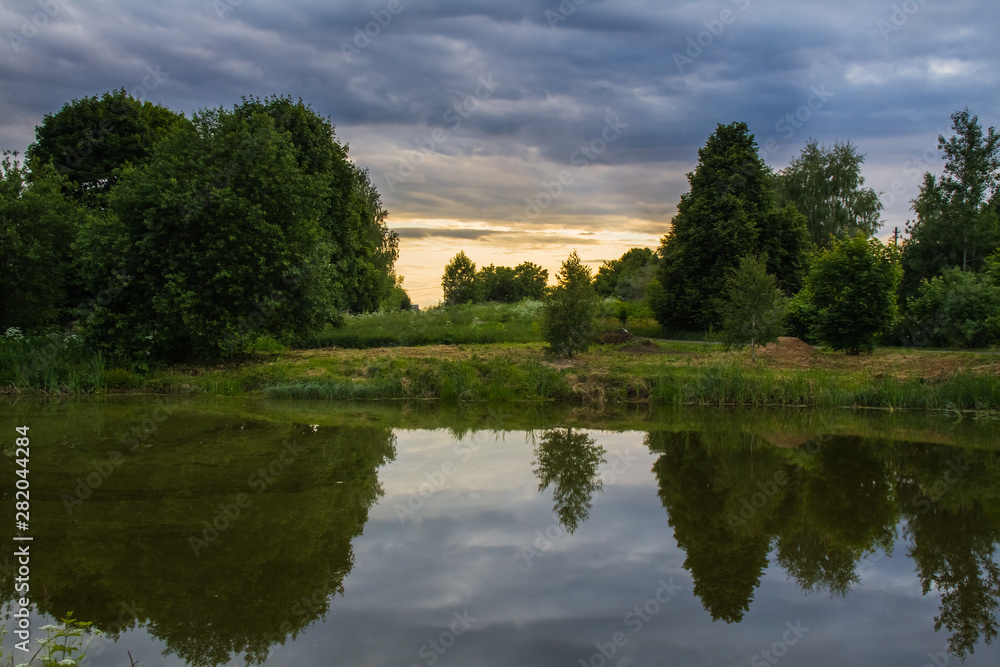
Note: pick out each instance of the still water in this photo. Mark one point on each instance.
(210, 532)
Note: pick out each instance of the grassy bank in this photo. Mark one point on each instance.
(497, 357)
(665, 374)
(634, 372)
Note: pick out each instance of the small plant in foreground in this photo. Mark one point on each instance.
(65, 645)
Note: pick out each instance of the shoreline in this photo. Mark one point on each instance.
(641, 371)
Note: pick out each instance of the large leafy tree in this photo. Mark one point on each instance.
(724, 217)
(363, 249)
(461, 283)
(755, 307)
(852, 288)
(218, 239)
(957, 223)
(785, 247)
(826, 185)
(90, 139)
(568, 317)
(37, 227)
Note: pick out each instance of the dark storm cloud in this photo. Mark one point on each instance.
(891, 73)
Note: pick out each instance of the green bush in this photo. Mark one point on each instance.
(119, 378)
(801, 317)
(853, 287)
(957, 309)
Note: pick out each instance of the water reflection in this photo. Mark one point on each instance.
(569, 461)
(218, 538)
(177, 541)
(827, 505)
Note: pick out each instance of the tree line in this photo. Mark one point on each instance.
(810, 228)
(462, 283)
(754, 253)
(158, 236)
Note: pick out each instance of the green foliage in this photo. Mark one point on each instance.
(785, 246)
(627, 277)
(530, 281)
(37, 227)
(502, 284)
(957, 309)
(397, 299)
(826, 185)
(477, 379)
(53, 363)
(447, 325)
(459, 280)
(568, 317)
(362, 249)
(853, 287)
(90, 139)
(801, 317)
(203, 235)
(729, 212)
(462, 284)
(64, 645)
(365, 249)
(495, 283)
(755, 306)
(225, 241)
(957, 223)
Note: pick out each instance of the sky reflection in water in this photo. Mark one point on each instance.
(522, 548)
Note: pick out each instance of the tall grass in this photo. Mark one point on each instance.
(736, 384)
(52, 363)
(474, 324)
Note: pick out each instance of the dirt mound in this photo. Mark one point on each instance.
(788, 348)
(614, 337)
(629, 342)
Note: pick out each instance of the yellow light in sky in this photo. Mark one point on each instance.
(426, 246)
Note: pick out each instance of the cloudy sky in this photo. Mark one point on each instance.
(524, 130)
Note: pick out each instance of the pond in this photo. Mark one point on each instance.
(215, 531)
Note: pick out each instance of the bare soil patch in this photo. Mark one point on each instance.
(788, 349)
(614, 337)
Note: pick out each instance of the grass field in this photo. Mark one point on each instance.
(495, 353)
(466, 324)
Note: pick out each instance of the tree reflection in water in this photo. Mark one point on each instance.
(124, 556)
(825, 506)
(568, 461)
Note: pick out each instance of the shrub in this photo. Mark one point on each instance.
(853, 287)
(957, 309)
(568, 318)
